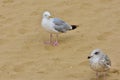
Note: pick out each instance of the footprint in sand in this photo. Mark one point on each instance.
(85, 6)
(3, 68)
(22, 31)
(3, 41)
(115, 71)
(2, 17)
(34, 13)
(105, 1)
(8, 1)
(73, 76)
(104, 35)
(22, 67)
(18, 68)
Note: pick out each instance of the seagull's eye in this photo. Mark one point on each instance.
(96, 53)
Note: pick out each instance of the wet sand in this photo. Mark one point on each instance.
(23, 55)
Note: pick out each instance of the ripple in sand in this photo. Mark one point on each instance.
(8, 1)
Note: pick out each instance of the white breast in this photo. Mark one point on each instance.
(48, 25)
(96, 66)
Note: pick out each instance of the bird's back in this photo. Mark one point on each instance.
(60, 25)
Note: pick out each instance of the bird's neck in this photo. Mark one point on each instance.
(95, 59)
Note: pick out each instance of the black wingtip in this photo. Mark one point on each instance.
(74, 26)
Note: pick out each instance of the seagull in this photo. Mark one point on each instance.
(99, 62)
(55, 26)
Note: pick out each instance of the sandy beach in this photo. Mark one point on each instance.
(24, 56)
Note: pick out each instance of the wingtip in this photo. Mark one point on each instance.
(74, 26)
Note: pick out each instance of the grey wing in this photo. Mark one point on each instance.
(60, 25)
(106, 61)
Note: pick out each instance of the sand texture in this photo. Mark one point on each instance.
(23, 55)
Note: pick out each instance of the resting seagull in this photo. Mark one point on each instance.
(55, 26)
(99, 62)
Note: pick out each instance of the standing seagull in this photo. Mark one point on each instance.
(55, 26)
(99, 62)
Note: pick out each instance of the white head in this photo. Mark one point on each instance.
(95, 53)
(46, 14)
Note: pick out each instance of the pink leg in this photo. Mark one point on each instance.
(50, 40)
(56, 41)
(97, 76)
(104, 75)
